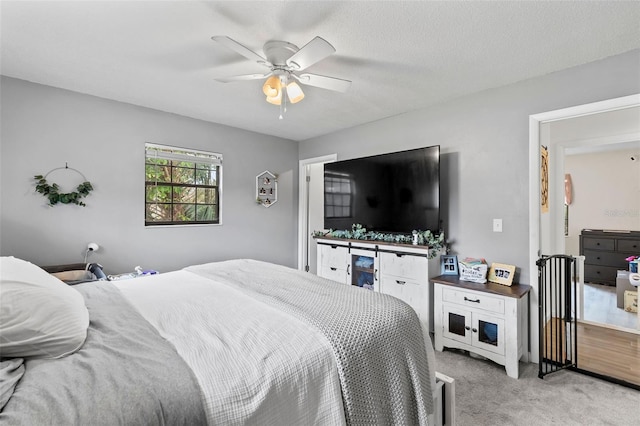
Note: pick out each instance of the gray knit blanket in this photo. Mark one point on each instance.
(377, 339)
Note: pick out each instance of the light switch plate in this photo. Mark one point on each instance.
(497, 225)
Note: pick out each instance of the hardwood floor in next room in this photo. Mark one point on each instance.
(609, 352)
(602, 350)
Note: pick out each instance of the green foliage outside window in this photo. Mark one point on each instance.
(181, 192)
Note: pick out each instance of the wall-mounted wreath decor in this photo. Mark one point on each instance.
(53, 194)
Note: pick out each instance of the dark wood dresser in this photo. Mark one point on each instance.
(605, 252)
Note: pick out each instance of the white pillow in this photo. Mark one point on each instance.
(40, 316)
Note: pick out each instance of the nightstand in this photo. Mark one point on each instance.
(487, 319)
(76, 273)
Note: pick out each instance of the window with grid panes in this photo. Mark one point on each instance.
(337, 194)
(182, 186)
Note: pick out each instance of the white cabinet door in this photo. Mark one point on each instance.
(473, 328)
(488, 333)
(456, 324)
(363, 269)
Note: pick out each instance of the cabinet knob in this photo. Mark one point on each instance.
(401, 282)
(466, 327)
(471, 300)
(333, 269)
(475, 330)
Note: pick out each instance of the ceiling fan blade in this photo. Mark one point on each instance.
(312, 52)
(242, 77)
(244, 51)
(323, 82)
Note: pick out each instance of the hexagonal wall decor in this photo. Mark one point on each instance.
(266, 189)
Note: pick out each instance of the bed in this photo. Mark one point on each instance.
(234, 342)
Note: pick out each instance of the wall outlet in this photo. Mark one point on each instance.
(497, 225)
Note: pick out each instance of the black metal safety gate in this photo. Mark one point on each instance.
(557, 305)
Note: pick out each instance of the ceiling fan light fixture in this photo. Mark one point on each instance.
(275, 100)
(272, 87)
(294, 92)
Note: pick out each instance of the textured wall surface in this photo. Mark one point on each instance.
(44, 128)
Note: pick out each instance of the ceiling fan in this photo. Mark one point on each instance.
(285, 63)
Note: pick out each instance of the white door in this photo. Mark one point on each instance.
(311, 209)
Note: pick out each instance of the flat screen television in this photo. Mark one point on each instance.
(392, 193)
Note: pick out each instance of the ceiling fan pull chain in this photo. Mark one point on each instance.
(284, 96)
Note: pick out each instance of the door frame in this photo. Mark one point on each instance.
(535, 120)
(303, 235)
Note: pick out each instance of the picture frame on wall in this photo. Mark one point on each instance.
(502, 274)
(448, 264)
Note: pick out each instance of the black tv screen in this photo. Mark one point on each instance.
(393, 193)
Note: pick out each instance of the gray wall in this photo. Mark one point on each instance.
(44, 128)
(484, 142)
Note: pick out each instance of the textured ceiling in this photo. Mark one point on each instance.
(401, 56)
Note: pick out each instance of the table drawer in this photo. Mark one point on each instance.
(404, 266)
(473, 300)
(629, 245)
(613, 259)
(598, 243)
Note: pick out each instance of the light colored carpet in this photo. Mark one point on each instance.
(485, 395)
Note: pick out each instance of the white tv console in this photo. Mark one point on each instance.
(399, 270)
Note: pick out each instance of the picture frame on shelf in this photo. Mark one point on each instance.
(448, 264)
(501, 273)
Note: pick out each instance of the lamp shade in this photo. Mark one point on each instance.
(294, 92)
(275, 100)
(272, 87)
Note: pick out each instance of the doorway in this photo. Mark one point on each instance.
(311, 209)
(602, 349)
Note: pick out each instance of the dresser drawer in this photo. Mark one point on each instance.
(411, 292)
(629, 245)
(600, 274)
(413, 268)
(334, 274)
(473, 300)
(333, 257)
(598, 243)
(613, 259)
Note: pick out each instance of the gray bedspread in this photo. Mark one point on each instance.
(125, 374)
(377, 339)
